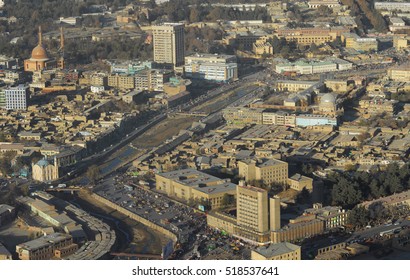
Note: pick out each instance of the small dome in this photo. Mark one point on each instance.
(328, 98)
(39, 52)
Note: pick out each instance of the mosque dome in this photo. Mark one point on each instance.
(328, 98)
(39, 52)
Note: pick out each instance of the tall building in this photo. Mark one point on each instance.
(169, 46)
(252, 205)
(16, 97)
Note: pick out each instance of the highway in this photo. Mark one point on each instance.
(242, 98)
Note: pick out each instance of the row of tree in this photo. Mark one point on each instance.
(351, 188)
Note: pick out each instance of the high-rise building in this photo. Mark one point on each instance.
(169, 46)
(252, 208)
(16, 98)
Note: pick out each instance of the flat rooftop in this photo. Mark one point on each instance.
(277, 249)
(43, 241)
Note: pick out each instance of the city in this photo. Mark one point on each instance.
(204, 130)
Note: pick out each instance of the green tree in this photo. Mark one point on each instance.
(358, 216)
(93, 173)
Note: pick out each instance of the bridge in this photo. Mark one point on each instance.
(71, 190)
(197, 114)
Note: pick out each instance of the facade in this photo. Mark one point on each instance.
(51, 246)
(353, 41)
(392, 6)
(39, 59)
(192, 185)
(293, 86)
(256, 216)
(169, 45)
(400, 73)
(7, 214)
(152, 80)
(220, 68)
(401, 42)
(278, 118)
(312, 67)
(45, 171)
(262, 48)
(313, 120)
(332, 216)
(328, 3)
(16, 97)
(121, 81)
(251, 206)
(268, 170)
(299, 182)
(4, 253)
(297, 230)
(279, 251)
(243, 115)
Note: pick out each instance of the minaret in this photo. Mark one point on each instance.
(61, 64)
(40, 36)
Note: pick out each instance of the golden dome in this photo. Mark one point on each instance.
(39, 52)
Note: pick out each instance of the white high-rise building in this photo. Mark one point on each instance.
(16, 97)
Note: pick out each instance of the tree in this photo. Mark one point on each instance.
(346, 193)
(227, 200)
(324, 11)
(194, 15)
(358, 216)
(93, 173)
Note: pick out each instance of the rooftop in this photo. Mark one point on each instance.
(277, 249)
(43, 241)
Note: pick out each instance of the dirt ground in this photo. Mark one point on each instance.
(164, 130)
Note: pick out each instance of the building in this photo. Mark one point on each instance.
(270, 171)
(261, 48)
(53, 246)
(243, 115)
(314, 120)
(279, 251)
(4, 253)
(400, 73)
(393, 6)
(219, 68)
(152, 79)
(251, 207)
(16, 97)
(192, 185)
(299, 182)
(298, 229)
(39, 59)
(278, 118)
(354, 41)
(401, 42)
(328, 3)
(310, 35)
(313, 67)
(169, 45)
(332, 216)
(45, 170)
(7, 214)
(256, 216)
(121, 81)
(293, 86)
